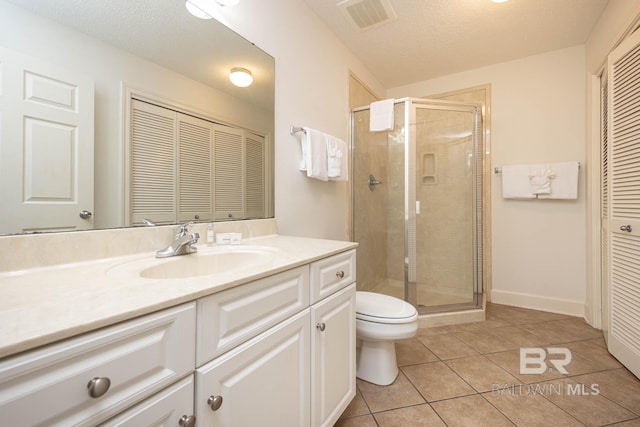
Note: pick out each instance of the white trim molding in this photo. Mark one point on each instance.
(538, 302)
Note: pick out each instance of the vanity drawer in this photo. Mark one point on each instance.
(229, 318)
(331, 274)
(165, 408)
(50, 386)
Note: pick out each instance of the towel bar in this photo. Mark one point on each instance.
(295, 129)
(498, 169)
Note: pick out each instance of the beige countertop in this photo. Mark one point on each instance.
(41, 305)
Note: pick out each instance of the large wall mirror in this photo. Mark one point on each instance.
(78, 82)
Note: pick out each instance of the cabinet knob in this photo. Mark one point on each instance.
(215, 402)
(321, 326)
(340, 274)
(85, 214)
(98, 386)
(187, 421)
(625, 228)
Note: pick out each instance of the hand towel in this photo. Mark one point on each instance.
(381, 115)
(314, 154)
(540, 177)
(337, 166)
(516, 183)
(565, 183)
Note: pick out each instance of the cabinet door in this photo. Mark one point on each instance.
(333, 357)
(264, 382)
(166, 408)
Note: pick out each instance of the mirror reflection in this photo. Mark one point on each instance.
(122, 113)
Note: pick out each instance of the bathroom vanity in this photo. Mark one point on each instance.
(266, 338)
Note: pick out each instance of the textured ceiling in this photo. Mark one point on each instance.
(433, 38)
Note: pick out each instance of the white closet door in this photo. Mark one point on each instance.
(604, 204)
(624, 202)
(254, 176)
(195, 137)
(228, 166)
(46, 146)
(152, 178)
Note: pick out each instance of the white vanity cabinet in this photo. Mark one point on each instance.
(300, 372)
(87, 379)
(333, 358)
(276, 351)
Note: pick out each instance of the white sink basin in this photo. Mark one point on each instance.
(205, 262)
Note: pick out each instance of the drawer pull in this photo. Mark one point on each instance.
(340, 274)
(187, 421)
(321, 326)
(215, 402)
(98, 386)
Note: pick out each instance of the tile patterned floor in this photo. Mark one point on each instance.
(469, 375)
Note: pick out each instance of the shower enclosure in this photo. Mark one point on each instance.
(417, 204)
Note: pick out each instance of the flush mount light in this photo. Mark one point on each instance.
(196, 11)
(240, 77)
(227, 2)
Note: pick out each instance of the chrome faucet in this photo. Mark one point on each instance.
(182, 241)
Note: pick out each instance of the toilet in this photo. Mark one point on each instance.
(380, 320)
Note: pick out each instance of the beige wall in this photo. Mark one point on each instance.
(312, 88)
(539, 257)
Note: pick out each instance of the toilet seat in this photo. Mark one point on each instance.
(380, 308)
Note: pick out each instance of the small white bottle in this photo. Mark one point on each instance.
(210, 234)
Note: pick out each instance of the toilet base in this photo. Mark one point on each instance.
(376, 362)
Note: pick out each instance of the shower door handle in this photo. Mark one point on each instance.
(372, 182)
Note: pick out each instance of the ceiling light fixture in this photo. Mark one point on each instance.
(196, 11)
(227, 2)
(240, 77)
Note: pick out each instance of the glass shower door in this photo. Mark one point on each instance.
(444, 206)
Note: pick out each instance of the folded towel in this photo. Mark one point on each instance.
(381, 115)
(337, 169)
(540, 177)
(565, 183)
(314, 154)
(516, 183)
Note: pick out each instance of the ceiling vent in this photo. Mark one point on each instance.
(367, 14)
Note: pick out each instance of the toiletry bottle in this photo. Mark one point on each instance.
(210, 234)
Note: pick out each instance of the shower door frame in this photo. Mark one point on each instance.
(410, 239)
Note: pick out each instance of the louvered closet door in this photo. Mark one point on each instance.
(195, 138)
(254, 176)
(604, 203)
(624, 202)
(228, 166)
(152, 178)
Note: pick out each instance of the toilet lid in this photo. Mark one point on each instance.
(381, 308)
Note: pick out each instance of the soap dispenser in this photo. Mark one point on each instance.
(210, 234)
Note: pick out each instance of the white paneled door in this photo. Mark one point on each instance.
(46, 146)
(623, 162)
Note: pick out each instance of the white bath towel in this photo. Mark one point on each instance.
(516, 183)
(337, 159)
(540, 177)
(565, 183)
(381, 115)
(314, 154)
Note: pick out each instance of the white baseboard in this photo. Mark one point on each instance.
(537, 302)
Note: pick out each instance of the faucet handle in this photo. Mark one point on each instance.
(182, 229)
